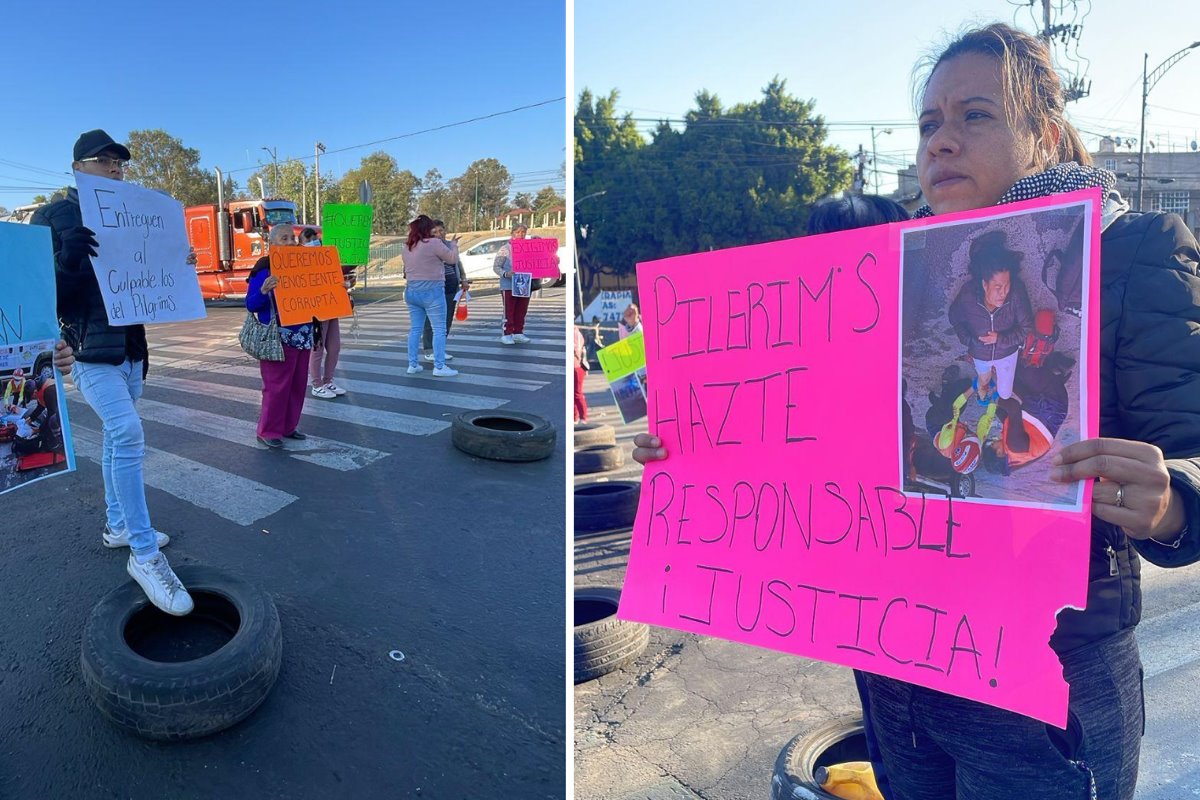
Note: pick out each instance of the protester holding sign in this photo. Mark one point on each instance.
(424, 255)
(110, 365)
(328, 345)
(993, 131)
(456, 278)
(515, 307)
(284, 382)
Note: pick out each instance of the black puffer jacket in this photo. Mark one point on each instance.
(1150, 392)
(1011, 321)
(81, 315)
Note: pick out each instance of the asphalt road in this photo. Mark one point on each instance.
(696, 718)
(383, 537)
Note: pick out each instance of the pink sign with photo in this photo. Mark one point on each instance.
(538, 257)
(789, 513)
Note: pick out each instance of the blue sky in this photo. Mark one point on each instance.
(856, 57)
(237, 77)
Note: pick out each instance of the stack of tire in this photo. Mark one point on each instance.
(602, 505)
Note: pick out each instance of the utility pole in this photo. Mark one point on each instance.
(304, 197)
(860, 179)
(320, 148)
(477, 199)
(874, 157)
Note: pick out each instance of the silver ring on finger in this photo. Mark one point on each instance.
(1120, 496)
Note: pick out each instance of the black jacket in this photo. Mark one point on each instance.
(81, 315)
(1150, 392)
(1011, 321)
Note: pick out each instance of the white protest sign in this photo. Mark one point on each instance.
(141, 263)
(608, 306)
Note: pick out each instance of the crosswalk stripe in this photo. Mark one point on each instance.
(506, 364)
(373, 388)
(227, 495)
(496, 349)
(498, 381)
(350, 365)
(354, 415)
(314, 450)
(460, 337)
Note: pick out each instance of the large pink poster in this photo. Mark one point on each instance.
(858, 458)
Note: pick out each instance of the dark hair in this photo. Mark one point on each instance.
(308, 232)
(437, 223)
(990, 254)
(854, 211)
(419, 229)
(1032, 89)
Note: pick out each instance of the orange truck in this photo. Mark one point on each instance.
(230, 237)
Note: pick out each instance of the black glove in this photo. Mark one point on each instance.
(77, 244)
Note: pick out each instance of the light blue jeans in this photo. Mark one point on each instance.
(426, 299)
(111, 391)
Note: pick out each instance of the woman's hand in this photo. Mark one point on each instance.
(270, 283)
(647, 448)
(989, 337)
(191, 259)
(1134, 491)
(64, 357)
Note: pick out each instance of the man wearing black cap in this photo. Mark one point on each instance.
(110, 365)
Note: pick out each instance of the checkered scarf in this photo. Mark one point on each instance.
(1066, 177)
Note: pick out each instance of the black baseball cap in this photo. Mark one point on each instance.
(96, 142)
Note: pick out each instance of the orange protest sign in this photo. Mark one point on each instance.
(310, 284)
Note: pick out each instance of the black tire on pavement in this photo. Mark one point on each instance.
(174, 678)
(834, 742)
(603, 643)
(590, 433)
(598, 458)
(606, 505)
(503, 435)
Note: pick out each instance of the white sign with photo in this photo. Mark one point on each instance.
(522, 284)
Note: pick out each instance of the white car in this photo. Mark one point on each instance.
(477, 260)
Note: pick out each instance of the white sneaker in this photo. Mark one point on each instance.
(521, 338)
(507, 339)
(444, 372)
(429, 357)
(120, 538)
(333, 387)
(158, 581)
(415, 368)
(323, 392)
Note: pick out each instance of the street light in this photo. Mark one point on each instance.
(273, 151)
(1149, 81)
(320, 148)
(874, 158)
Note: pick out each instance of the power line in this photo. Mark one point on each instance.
(418, 133)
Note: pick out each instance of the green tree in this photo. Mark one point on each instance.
(483, 189)
(160, 161)
(724, 178)
(394, 191)
(546, 199)
(522, 200)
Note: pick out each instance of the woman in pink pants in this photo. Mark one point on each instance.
(284, 381)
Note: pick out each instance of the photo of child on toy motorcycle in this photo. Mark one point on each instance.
(992, 372)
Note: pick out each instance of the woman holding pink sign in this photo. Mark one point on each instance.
(515, 306)
(993, 131)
